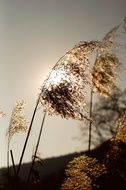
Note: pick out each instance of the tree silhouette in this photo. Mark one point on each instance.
(105, 113)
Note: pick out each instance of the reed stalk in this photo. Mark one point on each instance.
(27, 137)
(90, 123)
(12, 158)
(36, 149)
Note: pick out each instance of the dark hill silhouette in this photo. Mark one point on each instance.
(50, 175)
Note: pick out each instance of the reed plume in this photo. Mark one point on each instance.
(64, 91)
(82, 173)
(18, 123)
(121, 128)
(107, 61)
(103, 74)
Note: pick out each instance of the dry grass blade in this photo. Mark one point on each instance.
(63, 93)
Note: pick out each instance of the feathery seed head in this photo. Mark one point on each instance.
(82, 173)
(103, 74)
(18, 122)
(121, 128)
(63, 92)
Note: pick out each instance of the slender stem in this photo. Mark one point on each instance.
(8, 156)
(90, 124)
(12, 158)
(27, 137)
(34, 156)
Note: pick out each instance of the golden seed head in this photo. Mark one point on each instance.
(18, 122)
(63, 92)
(121, 128)
(103, 74)
(81, 172)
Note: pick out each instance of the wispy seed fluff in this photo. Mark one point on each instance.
(116, 156)
(107, 61)
(103, 74)
(82, 173)
(64, 91)
(121, 128)
(2, 114)
(18, 122)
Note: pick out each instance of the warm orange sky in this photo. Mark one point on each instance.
(34, 34)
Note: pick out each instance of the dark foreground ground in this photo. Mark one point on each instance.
(50, 174)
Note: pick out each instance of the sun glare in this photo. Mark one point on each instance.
(56, 77)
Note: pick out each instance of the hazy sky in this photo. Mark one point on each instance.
(34, 34)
